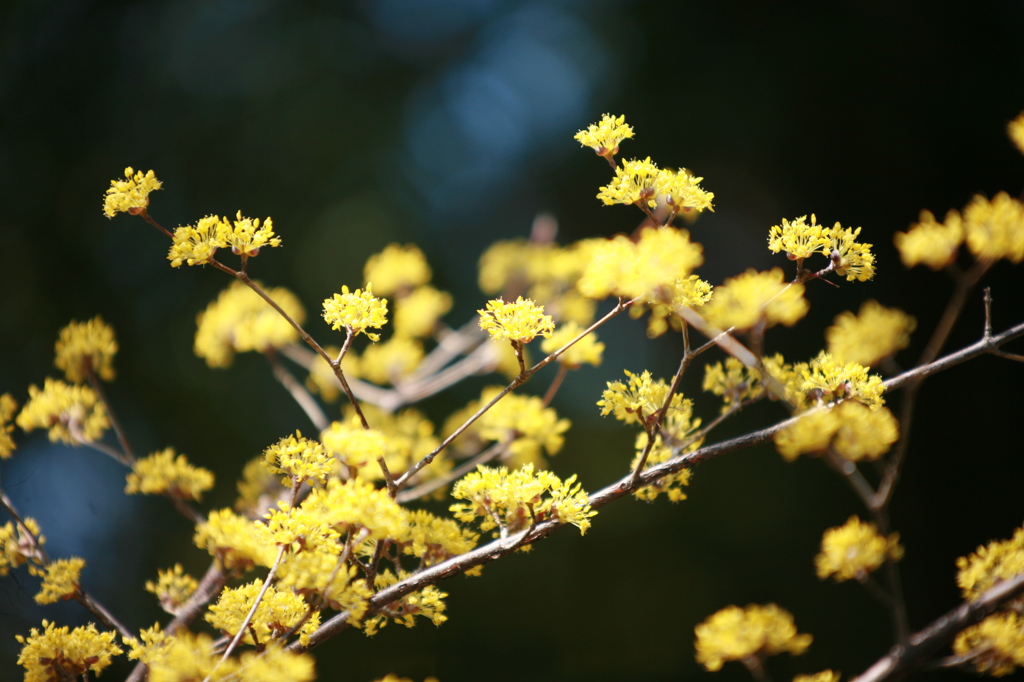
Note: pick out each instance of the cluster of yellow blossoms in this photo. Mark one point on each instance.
(311, 509)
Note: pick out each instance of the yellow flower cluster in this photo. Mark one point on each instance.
(358, 448)
(277, 613)
(1015, 129)
(163, 473)
(233, 541)
(60, 580)
(642, 182)
(392, 361)
(130, 195)
(525, 423)
(8, 406)
(824, 380)
(397, 270)
(677, 435)
(546, 272)
(873, 334)
(639, 402)
(999, 560)
(685, 292)
(240, 321)
(993, 229)
(515, 500)
(995, 646)
(417, 313)
(300, 459)
(519, 322)
(197, 245)
(854, 550)
(356, 311)
(434, 539)
(587, 350)
(428, 603)
(800, 240)
(63, 654)
(734, 634)
(655, 269)
(734, 381)
(930, 242)
(73, 414)
(189, 656)
(17, 547)
(84, 348)
(173, 588)
(756, 298)
(823, 676)
(855, 431)
(605, 136)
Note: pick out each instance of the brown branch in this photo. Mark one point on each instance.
(922, 645)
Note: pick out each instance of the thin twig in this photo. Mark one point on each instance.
(298, 392)
(921, 646)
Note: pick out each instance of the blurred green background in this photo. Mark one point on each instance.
(450, 124)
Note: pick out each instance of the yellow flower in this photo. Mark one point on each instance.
(397, 269)
(733, 381)
(874, 333)
(8, 406)
(652, 268)
(678, 428)
(824, 380)
(84, 347)
(130, 195)
(433, 539)
(356, 311)
(299, 458)
(854, 550)
(1015, 129)
(855, 431)
(60, 580)
(519, 498)
(798, 239)
(233, 541)
(995, 646)
(639, 402)
(734, 634)
(173, 588)
(756, 297)
(525, 423)
(605, 135)
(392, 361)
(164, 474)
(823, 676)
(277, 613)
(929, 242)
(197, 245)
(427, 602)
(995, 229)
(851, 258)
(635, 182)
(416, 315)
(240, 321)
(247, 236)
(999, 560)
(73, 414)
(586, 350)
(683, 192)
(519, 322)
(60, 654)
(17, 547)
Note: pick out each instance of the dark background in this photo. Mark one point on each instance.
(450, 124)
